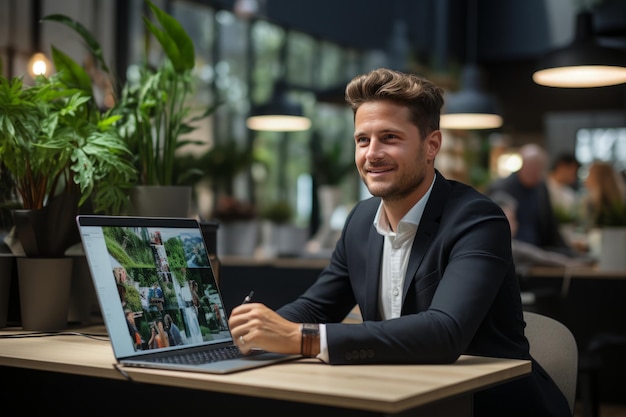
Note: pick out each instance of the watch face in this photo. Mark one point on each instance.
(310, 328)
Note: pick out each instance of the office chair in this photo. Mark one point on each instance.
(553, 345)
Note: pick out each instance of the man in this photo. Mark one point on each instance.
(562, 181)
(537, 223)
(428, 261)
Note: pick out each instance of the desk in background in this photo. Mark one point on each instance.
(73, 375)
(588, 301)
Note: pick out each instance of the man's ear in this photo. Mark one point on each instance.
(433, 144)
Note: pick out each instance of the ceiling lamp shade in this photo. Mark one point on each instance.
(279, 115)
(470, 108)
(584, 63)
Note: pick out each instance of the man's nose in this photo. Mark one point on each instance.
(374, 150)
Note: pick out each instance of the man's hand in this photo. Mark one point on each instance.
(253, 325)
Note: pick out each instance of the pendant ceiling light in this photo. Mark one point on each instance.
(280, 114)
(584, 63)
(471, 108)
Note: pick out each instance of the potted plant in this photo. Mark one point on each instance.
(605, 209)
(156, 118)
(279, 236)
(218, 167)
(60, 153)
(608, 236)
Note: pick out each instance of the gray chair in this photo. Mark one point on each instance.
(553, 345)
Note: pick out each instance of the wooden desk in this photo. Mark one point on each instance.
(298, 386)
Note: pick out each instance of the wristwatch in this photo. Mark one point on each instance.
(310, 335)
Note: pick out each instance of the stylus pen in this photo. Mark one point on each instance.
(248, 298)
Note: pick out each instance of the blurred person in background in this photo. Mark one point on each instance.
(562, 184)
(606, 195)
(537, 223)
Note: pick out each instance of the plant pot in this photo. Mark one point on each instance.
(44, 288)
(6, 270)
(290, 240)
(161, 201)
(48, 232)
(238, 238)
(83, 301)
(284, 240)
(611, 248)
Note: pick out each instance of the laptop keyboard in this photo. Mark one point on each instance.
(203, 356)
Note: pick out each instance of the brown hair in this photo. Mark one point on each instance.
(423, 98)
(605, 186)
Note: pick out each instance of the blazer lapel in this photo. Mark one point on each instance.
(372, 275)
(427, 229)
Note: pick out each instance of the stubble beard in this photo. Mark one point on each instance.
(396, 190)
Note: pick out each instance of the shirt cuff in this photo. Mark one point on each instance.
(323, 355)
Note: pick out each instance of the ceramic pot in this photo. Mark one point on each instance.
(83, 303)
(238, 238)
(44, 288)
(612, 244)
(49, 231)
(161, 201)
(6, 269)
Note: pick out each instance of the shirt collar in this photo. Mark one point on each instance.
(413, 217)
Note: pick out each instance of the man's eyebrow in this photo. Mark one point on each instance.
(385, 130)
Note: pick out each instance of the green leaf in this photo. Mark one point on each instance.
(92, 43)
(174, 40)
(72, 74)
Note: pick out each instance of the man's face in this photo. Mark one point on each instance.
(391, 156)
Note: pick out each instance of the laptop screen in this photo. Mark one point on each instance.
(154, 282)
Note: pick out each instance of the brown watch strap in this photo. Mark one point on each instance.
(310, 335)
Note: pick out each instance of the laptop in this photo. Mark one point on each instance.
(158, 295)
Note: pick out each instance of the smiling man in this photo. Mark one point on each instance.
(427, 260)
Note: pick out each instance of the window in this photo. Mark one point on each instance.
(604, 144)
(239, 63)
